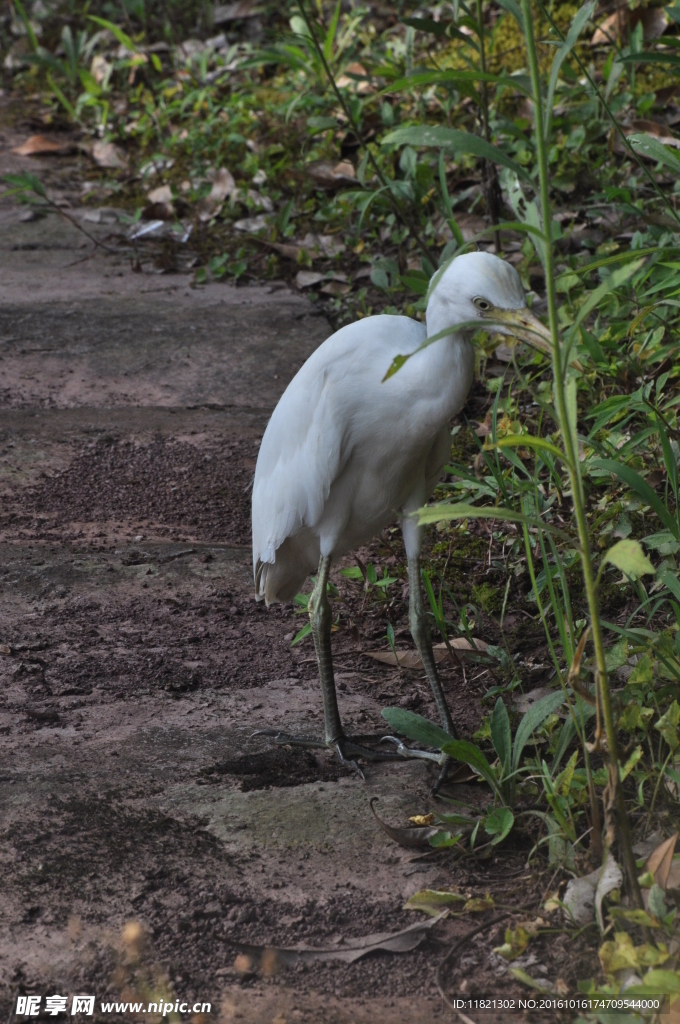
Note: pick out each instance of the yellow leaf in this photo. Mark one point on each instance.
(516, 941)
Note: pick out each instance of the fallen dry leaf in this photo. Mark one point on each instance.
(673, 880)
(222, 13)
(106, 154)
(412, 659)
(347, 81)
(251, 224)
(330, 175)
(660, 861)
(308, 278)
(38, 145)
(579, 898)
(619, 24)
(611, 877)
(163, 194)
(159, 205)
(416, 838)
(336, 289)
(223, 185)
(322, 245)
(268, 959)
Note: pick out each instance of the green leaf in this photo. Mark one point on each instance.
(516, 941)
(534, 717)
(305, 631)
(25, 182)
(498, 824)
(460, 510)
(116, 32)
(665, 543)
(571, 395)
(671, 582)
(647, 145)
(501, 736)
(454, 75)
(433, 901)
(440, 137)
(521, 975)
(615, 280)
(528, 441)
(583, 712)
(641, 487)
(27, 24)
(643, 672)
(657, 903)
(648, 58)
(629, 557)
(616, 656)
(627, 768)
(320, 124)
(634, 717)
(353, 573)
(444, 840)
(415, 727)
(668, 725)
(657, 982)
(415, 283)
(330, 34)
(468, 753)
(380, 279)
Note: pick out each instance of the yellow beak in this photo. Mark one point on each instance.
(525, 326)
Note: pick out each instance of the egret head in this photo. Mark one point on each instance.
(479, 286)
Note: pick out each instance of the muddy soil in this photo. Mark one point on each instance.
(147, 835)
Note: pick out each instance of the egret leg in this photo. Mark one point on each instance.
(346, 747)
(320, 617)
(418, 621)
(420, 631)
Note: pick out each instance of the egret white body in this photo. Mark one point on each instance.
(346, 452)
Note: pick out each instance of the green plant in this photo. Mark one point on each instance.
(503, 778)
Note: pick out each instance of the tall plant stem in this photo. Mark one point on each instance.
(615, 791)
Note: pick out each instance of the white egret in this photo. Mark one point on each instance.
(346, 452)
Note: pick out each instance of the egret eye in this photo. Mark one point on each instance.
(483, 304)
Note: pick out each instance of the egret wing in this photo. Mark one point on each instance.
(300, 456)
(309, 438)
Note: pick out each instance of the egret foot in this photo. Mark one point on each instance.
(346, 747)
(412, 753)
(443, 760)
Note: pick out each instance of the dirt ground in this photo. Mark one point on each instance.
(146, 837)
